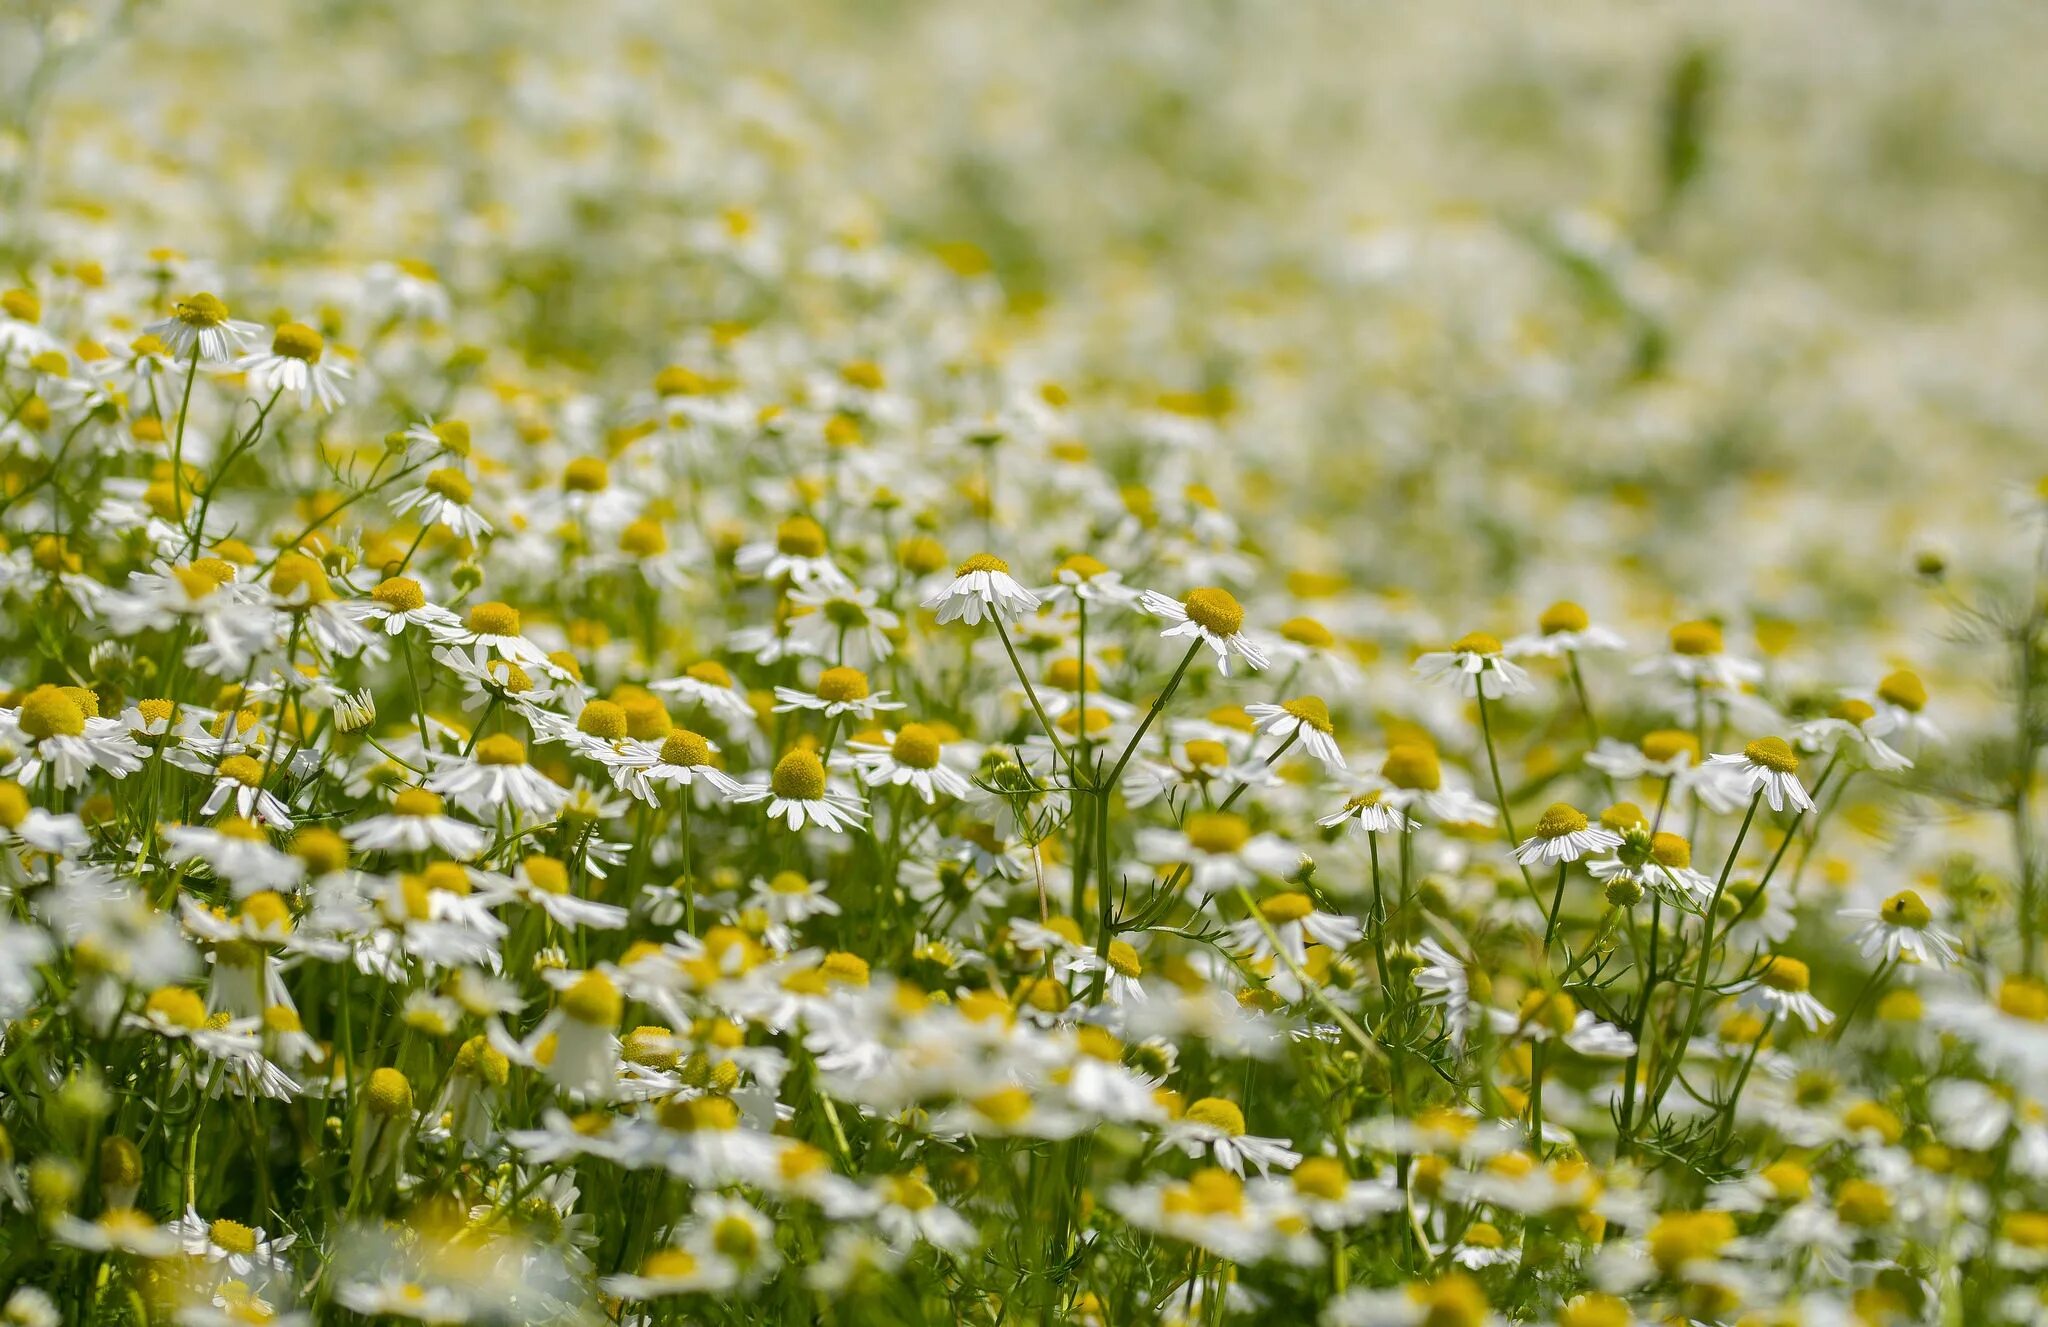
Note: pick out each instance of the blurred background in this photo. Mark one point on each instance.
(1676, 309)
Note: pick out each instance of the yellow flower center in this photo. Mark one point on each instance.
(801, 537)
(400, 594)
(390, 1093)
(1311, 711)
(451, 484)
(177, 1006)
(1903, 689)
(1413, 766)
(685, 748)
(1787, 974)
(1476, 642)
(983, 562)
(493, 619)
(1214, 610)
(48, 712)
(245, 770)
(203, 311)
(1289, 907)
(840, 686)
(603, 720)
(416, 802)
(1907, 908)
(1217, 832)
(1218, 1114)
(297, 341)
(1774, 754)
(916, 746)
(1559, 820)
(547, 874)
(1672, 850)
(594, 1000)
(1123, 956)
(586, 474)
(1307, 631)
(232, 1236)
(1562, 616)
(1322, 1178)
(1682, 1237)
(501, 749)
(1005, 1107)
(2024, 997)
(799, 777)
(1696, 638)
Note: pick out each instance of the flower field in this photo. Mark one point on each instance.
(917, 664)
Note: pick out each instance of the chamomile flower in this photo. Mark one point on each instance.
(1782, 989)
(1291, 921)
(1857, 723)
(58, 730)
(911, 757)
(1769, 766)
(397, 603)
(981, 587)
(445, 498)
(1370, 812)
(798, 792)
(1216, 1126)
(1212, 617)
(682, 759)
(1219, 851)
(1564, 834)
(296, 364)
(1474, 666)
(239, 780)
(1564, 628)
(708, 683)
(844, 626)
(199, 328)
(797, 552)
(417, 822)
(837, 692)
(1902, 927)
(1698, 657)
(1084, 578)
(494, 778)
(1305, 719)
(1413, 779)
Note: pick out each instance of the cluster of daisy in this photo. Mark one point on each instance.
(788, 779)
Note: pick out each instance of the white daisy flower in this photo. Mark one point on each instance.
(838, 691)
(415, 823)
(914, 757)
(1294, 921)
(1086, 579)
(798, 553)
(444, 498)
(1371, 812)
(1564, 628)
(1217, 1126)
(199, 327)
(798, 791)
(295, 365)
(1563, 834)
(1211, 616)
(1474, 666)
(496, 776)
(981, 586)
(1782, 988)
(682, 759)
(1903, 925)
(1771, 766)
(1306, 719)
